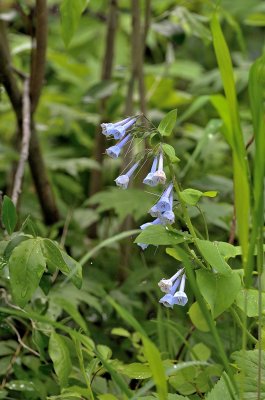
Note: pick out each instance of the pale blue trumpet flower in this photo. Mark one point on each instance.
(168, 217)
(175, 297)
(168, 299)
(117, 130)
(166, 285)
(154, 212)
(159, 175)
(114, 151)
(149, 179)
(164, 203)
(123, 180)
(180, 297)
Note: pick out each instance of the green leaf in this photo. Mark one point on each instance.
(136, 371)
(170, 152)
(250, 365)
(71, 11)
(212, 255)
(220, 391)
(201, 352)
(9, 215)
(124, 202)
(13, 244)
(167, 124)
(197, 318)
(153, 357)
(192, 196)
(159, 235)
(218, 290)
(26, 266)
(60, 356)
(120, 332)
(57, 258)
(251, 297)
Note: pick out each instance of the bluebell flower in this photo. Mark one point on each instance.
(149, 179)
(154, 212)
(166, 285)
(123, 180)
(114, 151)
(168, 299)
(168, 217)
(173, 296)
(159, 175)
(180, 296)
(164, 203)
(144, 226)
(117, 130)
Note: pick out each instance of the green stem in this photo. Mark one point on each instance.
(241, 325)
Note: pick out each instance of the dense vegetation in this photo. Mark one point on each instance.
(155, 291)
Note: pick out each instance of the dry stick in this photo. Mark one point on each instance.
(26, 134)
(8, 80)
(36, 161)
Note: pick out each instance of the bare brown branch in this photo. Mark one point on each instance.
(38, 56)
(26, 135)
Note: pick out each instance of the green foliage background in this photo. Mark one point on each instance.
(93, 328)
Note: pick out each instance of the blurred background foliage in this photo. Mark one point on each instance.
(180, 71)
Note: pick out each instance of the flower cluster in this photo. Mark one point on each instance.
(162, 211)
(174, 288)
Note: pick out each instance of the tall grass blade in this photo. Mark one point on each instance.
(240, 166)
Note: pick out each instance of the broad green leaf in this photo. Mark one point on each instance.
(60, 356)
(197, 318)
(173, 252)
(192, 196)
(159, 235)
(136, 370)
(20, 385)
(57, 258)
(218, 290)
(251, 297)
(167, 124)
(153, 357)
(220, 391)
(201, 351)
(212, 255)
(13, 244)
(227, 250)
(134, 202)
(26, 266)
(9, 215)
(170, 152)
(249, 364)
(71, 11)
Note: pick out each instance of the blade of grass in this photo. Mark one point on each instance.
(240, 165)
